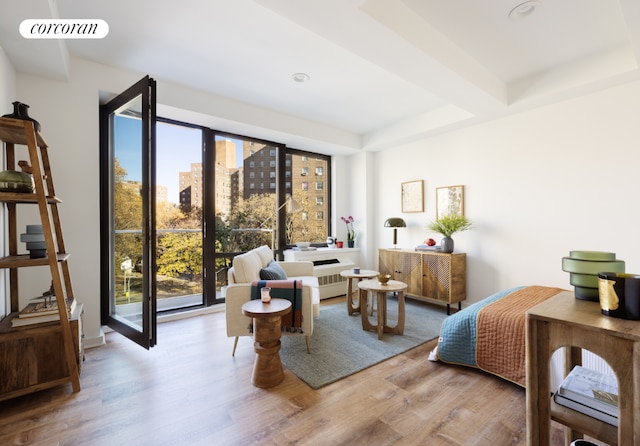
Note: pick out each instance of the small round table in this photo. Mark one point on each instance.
(351, 277)
(267, 368)
(382, 290)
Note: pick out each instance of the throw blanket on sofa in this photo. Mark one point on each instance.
(490, 334)
(283, 289)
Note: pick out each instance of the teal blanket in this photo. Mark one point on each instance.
(290, 290)
(457, 343)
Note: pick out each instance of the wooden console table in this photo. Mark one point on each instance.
(563, 321)
(429, 275)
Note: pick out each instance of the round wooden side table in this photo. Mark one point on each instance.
(382, 290)
(267, 368)
(355, 277)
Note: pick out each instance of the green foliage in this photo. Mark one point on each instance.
(259, 211)
(448, 225)
(127, 216)
(180, 254)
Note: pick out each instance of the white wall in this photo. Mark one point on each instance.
(352, 196)
(537, 185)
(7, 96)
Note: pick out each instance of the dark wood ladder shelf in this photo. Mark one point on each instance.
(48, 354)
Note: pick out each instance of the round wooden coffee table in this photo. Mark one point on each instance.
(355, 277)
(267, 368)
(382, 290)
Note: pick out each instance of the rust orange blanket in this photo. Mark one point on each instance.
(500, 343)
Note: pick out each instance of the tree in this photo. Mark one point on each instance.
(127, 216)
(180, 254)
(252, 214)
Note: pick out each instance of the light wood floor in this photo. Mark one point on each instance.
(189, 390)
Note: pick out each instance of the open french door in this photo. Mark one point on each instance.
(128, 229)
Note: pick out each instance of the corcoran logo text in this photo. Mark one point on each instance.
(64, 29)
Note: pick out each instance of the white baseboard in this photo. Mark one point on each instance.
(100, 340)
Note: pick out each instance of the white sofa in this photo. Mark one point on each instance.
(246, 269)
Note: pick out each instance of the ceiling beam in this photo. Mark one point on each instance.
(45, 57)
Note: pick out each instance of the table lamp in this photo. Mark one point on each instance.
(395, 223)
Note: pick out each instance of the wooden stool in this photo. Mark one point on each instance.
(267, 368)
(356, 277)
(382, 290)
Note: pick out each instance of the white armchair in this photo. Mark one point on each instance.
(246, 268)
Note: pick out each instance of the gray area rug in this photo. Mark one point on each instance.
(340, 347)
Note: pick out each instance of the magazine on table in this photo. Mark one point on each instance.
(590, 392)
(590, 411)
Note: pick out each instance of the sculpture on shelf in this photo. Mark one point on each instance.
(25, 167)
(14, 181)
(21, 111)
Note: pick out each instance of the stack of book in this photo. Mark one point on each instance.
(39, 312)
(427, 248)
(593, 393)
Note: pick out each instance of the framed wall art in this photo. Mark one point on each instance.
(449, 200)
(412, 193)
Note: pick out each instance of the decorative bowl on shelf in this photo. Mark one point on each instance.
(303, 245)
(14, 181)
(383, 278)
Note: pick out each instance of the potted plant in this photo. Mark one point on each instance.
(351, 233)
(447, 225)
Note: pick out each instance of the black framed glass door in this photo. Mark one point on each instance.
(128, 232)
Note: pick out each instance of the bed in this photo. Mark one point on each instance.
(490, 334)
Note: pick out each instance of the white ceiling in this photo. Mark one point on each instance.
(383, 71)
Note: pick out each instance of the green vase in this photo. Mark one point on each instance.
(351, 243)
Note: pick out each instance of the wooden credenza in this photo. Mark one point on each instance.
(430, 276)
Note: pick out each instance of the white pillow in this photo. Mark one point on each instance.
(247, 267)
(265, 254)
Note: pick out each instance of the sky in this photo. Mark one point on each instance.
(176, 148)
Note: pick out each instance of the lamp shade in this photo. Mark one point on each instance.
(395, 223)
(294, 205)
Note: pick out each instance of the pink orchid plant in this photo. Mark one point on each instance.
(351, 233)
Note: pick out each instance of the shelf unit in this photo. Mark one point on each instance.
(429, 275)
(32, 348)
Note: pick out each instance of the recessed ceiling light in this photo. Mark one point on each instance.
(524, 10)
(300, 77)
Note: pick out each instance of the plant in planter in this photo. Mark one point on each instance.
(351, 233)
(447, 225)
